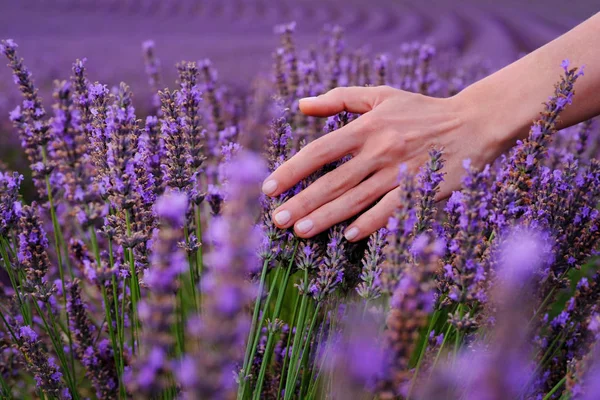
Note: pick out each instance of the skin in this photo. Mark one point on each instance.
(480, 123)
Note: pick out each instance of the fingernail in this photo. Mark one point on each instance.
(308, 99)
(304, 226)
(351, 233)
(269, 187)
(282, 217)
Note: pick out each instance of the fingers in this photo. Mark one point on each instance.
(353, 99)
(373, 219)
(349, 204)
(313, 156)
(325, 189)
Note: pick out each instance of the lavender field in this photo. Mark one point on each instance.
(138, 256)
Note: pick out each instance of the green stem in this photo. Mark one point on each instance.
(278, 304)
(24, 310)
(439, 352)
(287, 346)
(263, 368)
(6, 392)
(250, 342)
(57, 242)
(305, 347)
(297, 339)
(191, 267)
(57, 347)
(199, 255)
(134, 286)
(555, 388)
(432, 323)
(109, 322)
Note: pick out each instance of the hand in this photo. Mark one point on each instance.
(397, 127)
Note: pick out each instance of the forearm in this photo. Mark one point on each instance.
(512, 97)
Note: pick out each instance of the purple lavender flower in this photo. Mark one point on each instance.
(225, 286)
(369, 288)
(465, 270)
(498, 366)
(33, 256)
(330, 272)
(30, 120)
(401, 229)
(177, 166)
(514, 181)
(69, 144)
(157, 312)
(45, 372)
(98, 360)
(412, 301)
(188, 100)
(153, 72)
(153, 148)
(429, 180)
(10, 205)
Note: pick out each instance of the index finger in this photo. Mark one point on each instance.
(313, 156)
(354, 99)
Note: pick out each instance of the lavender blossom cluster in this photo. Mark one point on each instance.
(148, 265)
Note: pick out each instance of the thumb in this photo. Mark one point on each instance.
(354, 99)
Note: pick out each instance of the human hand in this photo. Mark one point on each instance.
(397, 127)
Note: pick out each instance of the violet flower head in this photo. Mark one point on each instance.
(209, 87)
(227, 290)
(369, 288)
(465, 269)
(98, 360)
(189, 100)
(33, 256)
(331, 269)
(286, 31)
(429, 180)
(157, 312)
(411, 303)
(30, 119)
(153, 67)
(69, 145)
(177, 167)
(517, 175)
(153, 156)
(46, 373)
(10, 205)
(280, 138)
(401, 226)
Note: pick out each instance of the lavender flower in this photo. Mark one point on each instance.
(46, 373)
(401, 227)
(97, 358)
(157, 312)
(225, 287)
(465, 269)
(154, 153)
(412, 302)
(331, 269)
(10, 205)
(516, 178)
(188, 100)
(33, 256)
(369, 288)
(30, 118)
(429, 179)
(177, 173)
(69, 145)
(153, 72)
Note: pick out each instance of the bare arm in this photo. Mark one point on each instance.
(397, 127)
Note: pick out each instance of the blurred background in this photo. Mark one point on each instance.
(237, 35)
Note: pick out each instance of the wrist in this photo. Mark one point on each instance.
(496, 118)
